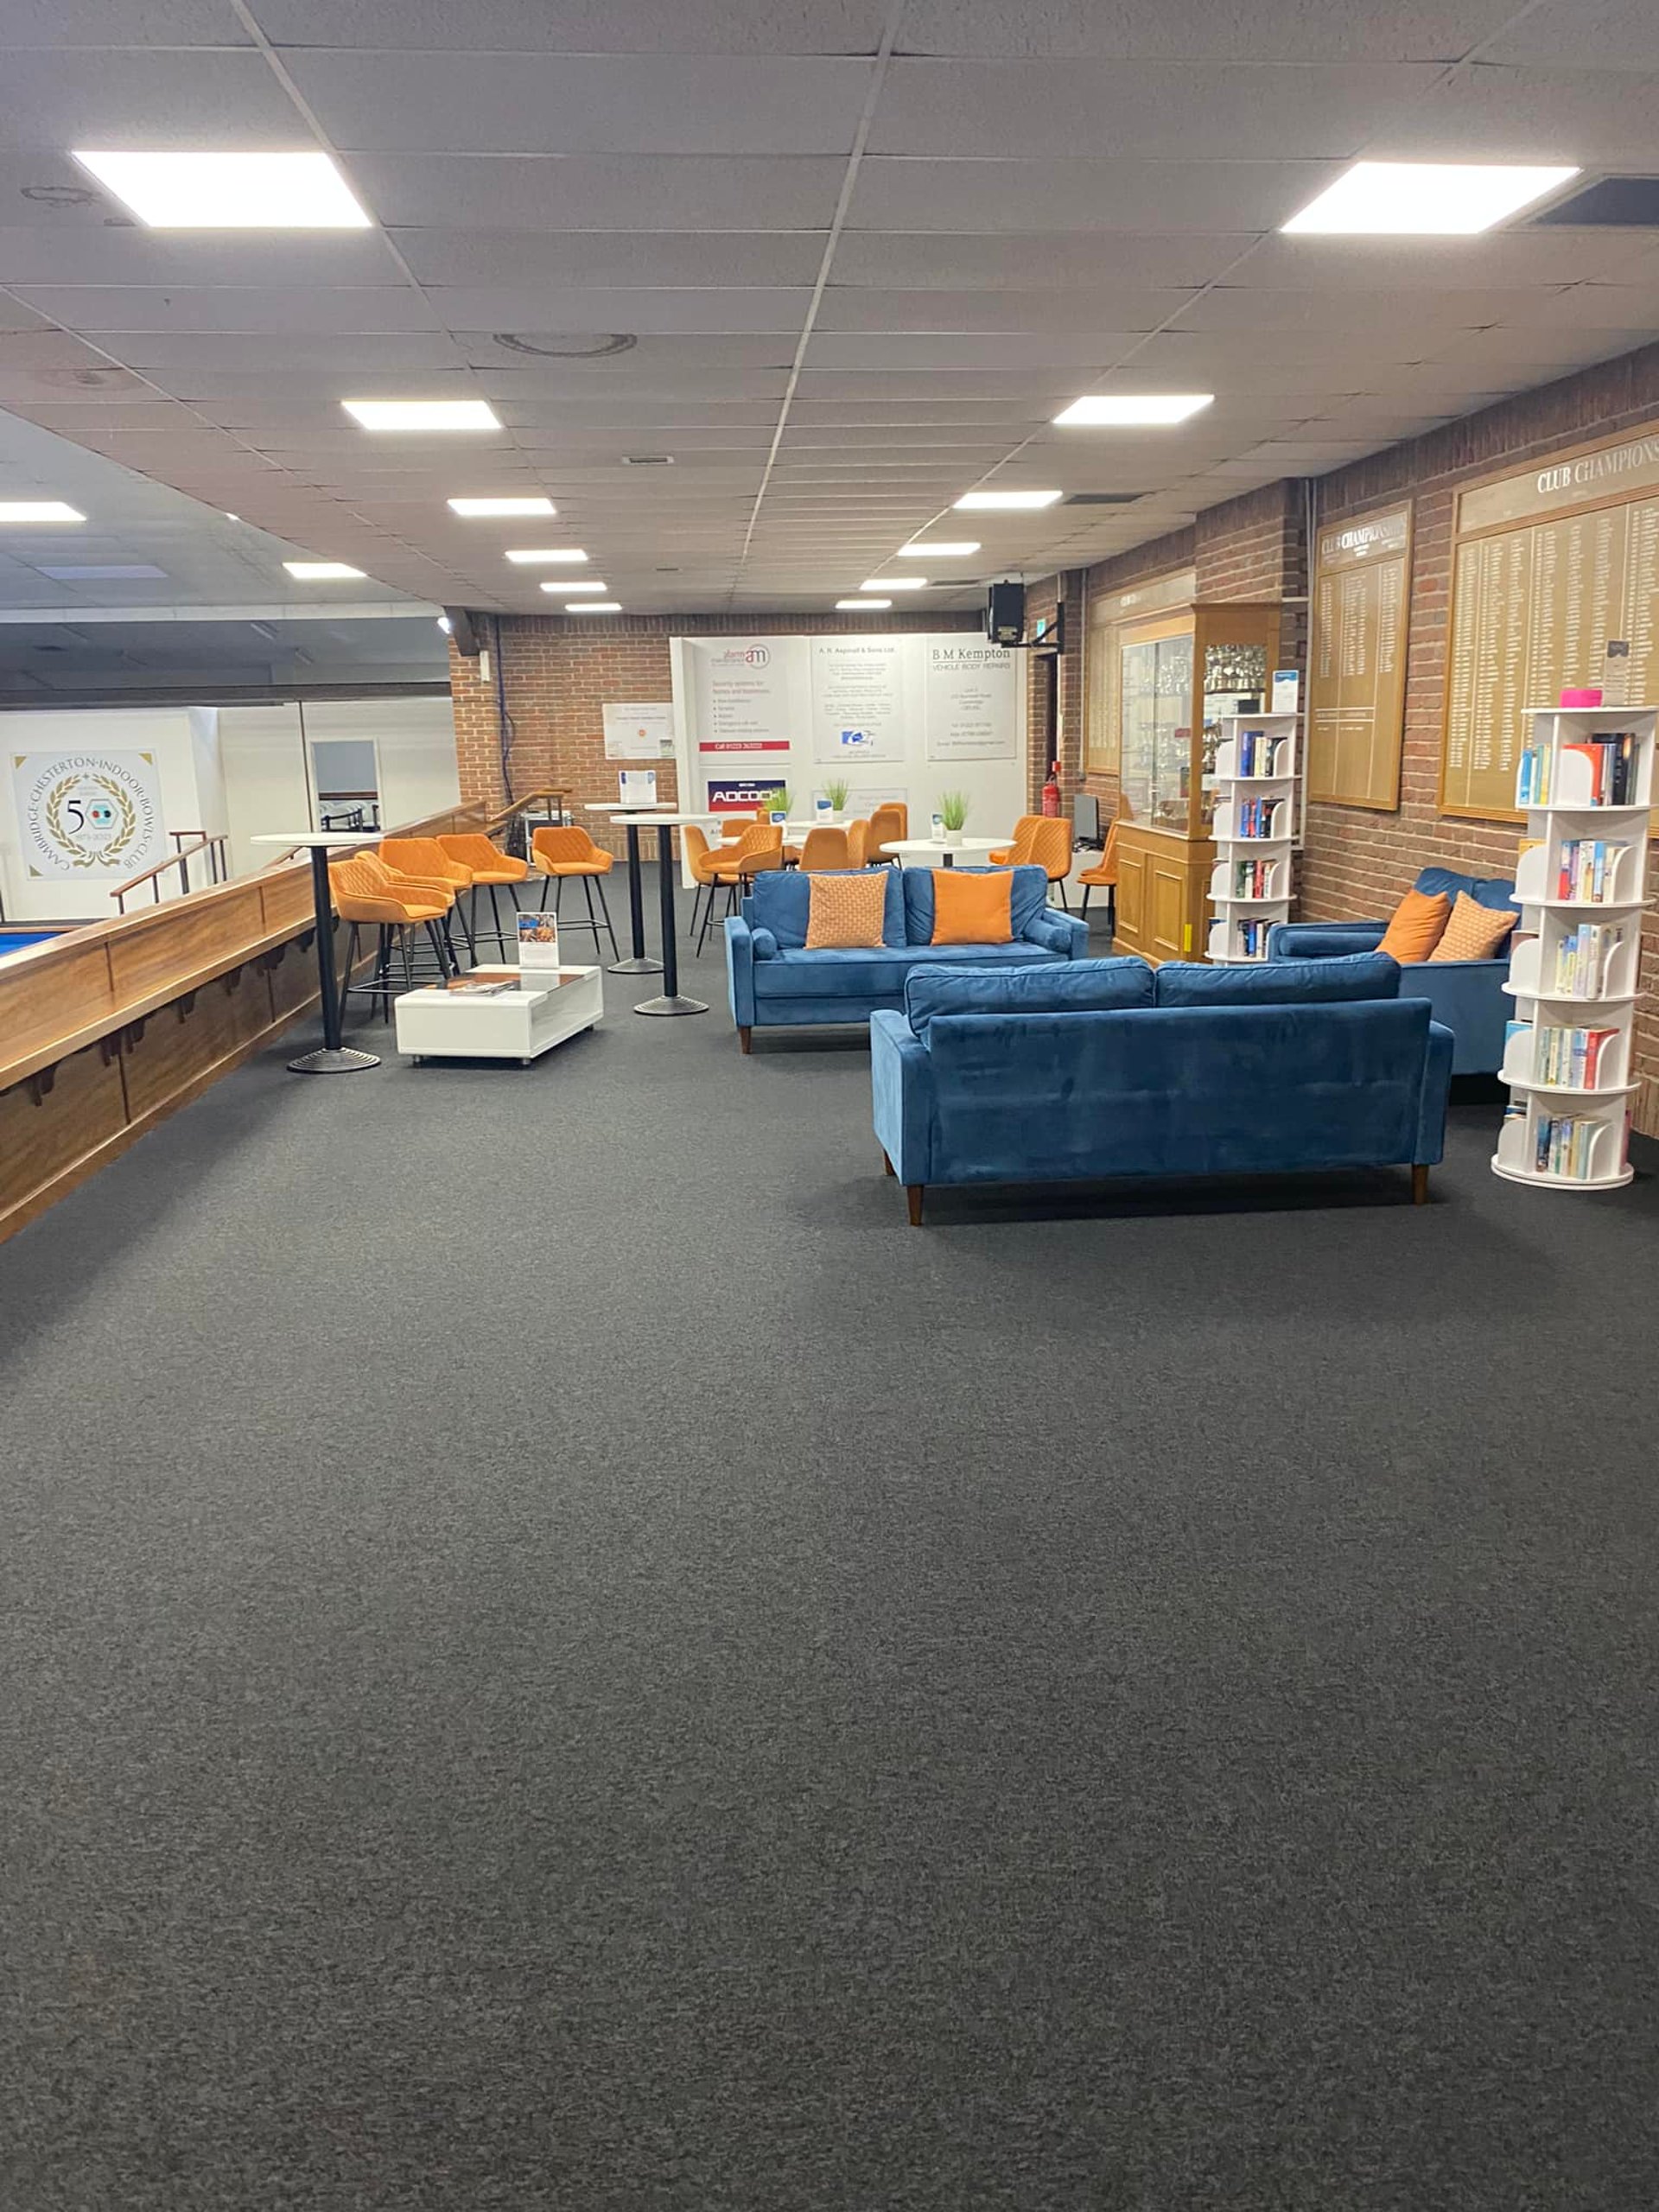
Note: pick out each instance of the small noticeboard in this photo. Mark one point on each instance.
(538, 940)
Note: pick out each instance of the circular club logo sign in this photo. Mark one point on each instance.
(90, 813)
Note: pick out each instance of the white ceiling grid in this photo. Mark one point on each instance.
(865, 249)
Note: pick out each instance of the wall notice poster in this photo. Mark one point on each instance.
(858, 699)
(1357, 659)
(970, 702)
(739, 693)
(1549, 564)
(86, 815)
(640, 731)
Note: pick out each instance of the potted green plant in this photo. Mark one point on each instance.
(835, 790)
(953, 812)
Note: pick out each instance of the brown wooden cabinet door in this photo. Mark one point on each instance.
(1131, 900)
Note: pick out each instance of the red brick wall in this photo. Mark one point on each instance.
(559, 672)
(1358, 862)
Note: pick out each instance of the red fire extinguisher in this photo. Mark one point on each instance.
(1051, 790)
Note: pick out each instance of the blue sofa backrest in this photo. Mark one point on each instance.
(1280, 983)
(1495, 891)
(1074, 986)
(1190, 1089)
(1025, 901)
(780, 901)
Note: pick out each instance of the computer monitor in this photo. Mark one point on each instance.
(1085, 818)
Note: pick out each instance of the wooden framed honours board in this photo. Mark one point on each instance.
(1357, 659)
(1548, 563)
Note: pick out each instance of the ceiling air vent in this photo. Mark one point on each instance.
(647, 460)
(554, 346)
(1100, 498)
(1612, 203)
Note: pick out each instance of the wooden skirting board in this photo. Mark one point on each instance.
(107, 1030)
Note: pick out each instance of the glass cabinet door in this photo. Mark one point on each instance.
(1231, 672)
(1173, 728)
(1138, 693)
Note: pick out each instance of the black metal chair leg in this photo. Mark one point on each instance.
(1086, 889)
(605, 909)
(495, 913)
(408, 965)
(546, 879)
(437, 947)
(461, 909)
(344, 983)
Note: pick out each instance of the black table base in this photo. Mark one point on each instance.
(639, 965)
(672, 1002)
(334, 1059)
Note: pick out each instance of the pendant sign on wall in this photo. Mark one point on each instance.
(858, 699)
(84, 814)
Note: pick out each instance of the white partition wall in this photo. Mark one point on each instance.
(268, 773)
(900, 715)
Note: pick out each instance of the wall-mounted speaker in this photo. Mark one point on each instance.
(1004, 615)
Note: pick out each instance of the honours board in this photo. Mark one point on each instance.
(1357, 659)
(1536, 593)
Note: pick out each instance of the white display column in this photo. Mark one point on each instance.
(1586, 783)
(1255, 833)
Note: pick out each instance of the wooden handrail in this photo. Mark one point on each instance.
(180, 860)
(560, 792)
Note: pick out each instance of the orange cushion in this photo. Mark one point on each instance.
(1414, 929)
(1474, 932)
(845, 909)
(971, 909)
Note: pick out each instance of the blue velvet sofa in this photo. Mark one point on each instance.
(1465, 995)
(1108, 1068)
(775, 982)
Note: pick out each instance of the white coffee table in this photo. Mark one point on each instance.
(543, 1009)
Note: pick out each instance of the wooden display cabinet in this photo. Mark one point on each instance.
(1179, 673)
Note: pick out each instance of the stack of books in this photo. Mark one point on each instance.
(1257, 754)
(1564, 1145)
(1613, 766)
(1250, 940)
(1587, 866)
(1253, 817)
(1251, 879)
(1569, 1057)
(1583, 960)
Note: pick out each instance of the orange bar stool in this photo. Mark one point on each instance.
(363, 900)
(489, 865)
(1051, 850)
(759, 848)
(829, 848)
(1103, 876)
(425, 856)
(1017, 854)
(562, 853)
(704, 860)
(858, 843)
(426, 890)
(887, 822)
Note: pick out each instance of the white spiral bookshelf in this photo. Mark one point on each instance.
(1255, 833)
(1582, 885)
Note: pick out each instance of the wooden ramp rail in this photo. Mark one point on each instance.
(106, 1030)
(189, 842)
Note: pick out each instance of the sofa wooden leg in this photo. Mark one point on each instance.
(744, 1038)
(1420, 1186)
(886, 1163)
(913, 1195)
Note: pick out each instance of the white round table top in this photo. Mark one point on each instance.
(941, 845)
(329, 837)
(664, 819)
(611, 806)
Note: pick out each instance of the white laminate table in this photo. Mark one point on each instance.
(334, 1059)
(540, 1008)
(947, 853)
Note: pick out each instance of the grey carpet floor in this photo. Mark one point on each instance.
(554, 1654)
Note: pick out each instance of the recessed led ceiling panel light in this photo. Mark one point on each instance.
(316, 572)
(547, 555)
(38, 510)
(1425, 199)
(860, 606)
(513, 506)
(230, 192)
(1131, 407)
(894, 583)
(563, 583)
(988, 502)
(422, 413)
(941, 549)
(594, 606)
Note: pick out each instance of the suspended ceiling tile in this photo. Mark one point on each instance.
(138, 97)
(119, 23)
(1488, 113)
(1093, 309)
(1250, 32)
(1049, 196)
(599, 192)
(556, 310)
(735, 27)
(597, 261)
(271, 310)
(1076, 261)
(1618, 34)
(71, 252)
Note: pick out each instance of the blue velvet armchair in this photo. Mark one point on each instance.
(1465, 996)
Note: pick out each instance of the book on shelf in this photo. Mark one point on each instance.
(1251, 879)
(1612, 762)
(1564, 1145)
(1584, 959)
(1257, 754)
(1253, 819)
(1587, 867)
(1246, 940)
(1572, 1057)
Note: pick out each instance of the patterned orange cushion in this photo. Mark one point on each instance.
(1474, 932)
(1414, 930)
(971, 909)
(845, 909)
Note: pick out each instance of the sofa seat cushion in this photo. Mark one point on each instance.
(1281, 983)
(1056, 987)
(855, 974)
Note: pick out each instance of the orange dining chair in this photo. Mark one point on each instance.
(1103, 876)
(1018, 852)
(561, 854)
(704, 860)
(424, 857)
(398, 884)
(362, 898)
(826, 848)
(889, 821)
(858, 842)
(489, 865)
(1051, 850)
(760, 848)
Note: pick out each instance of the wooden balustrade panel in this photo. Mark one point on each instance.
(45, 1132)
(287, 899)
(53, 992)
(187, 1040)
(293, 978)
(180, 940)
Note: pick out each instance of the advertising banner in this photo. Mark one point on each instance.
(741, 794)
(971, 703)
(858, 699)
(639, 730)
(86, 815)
